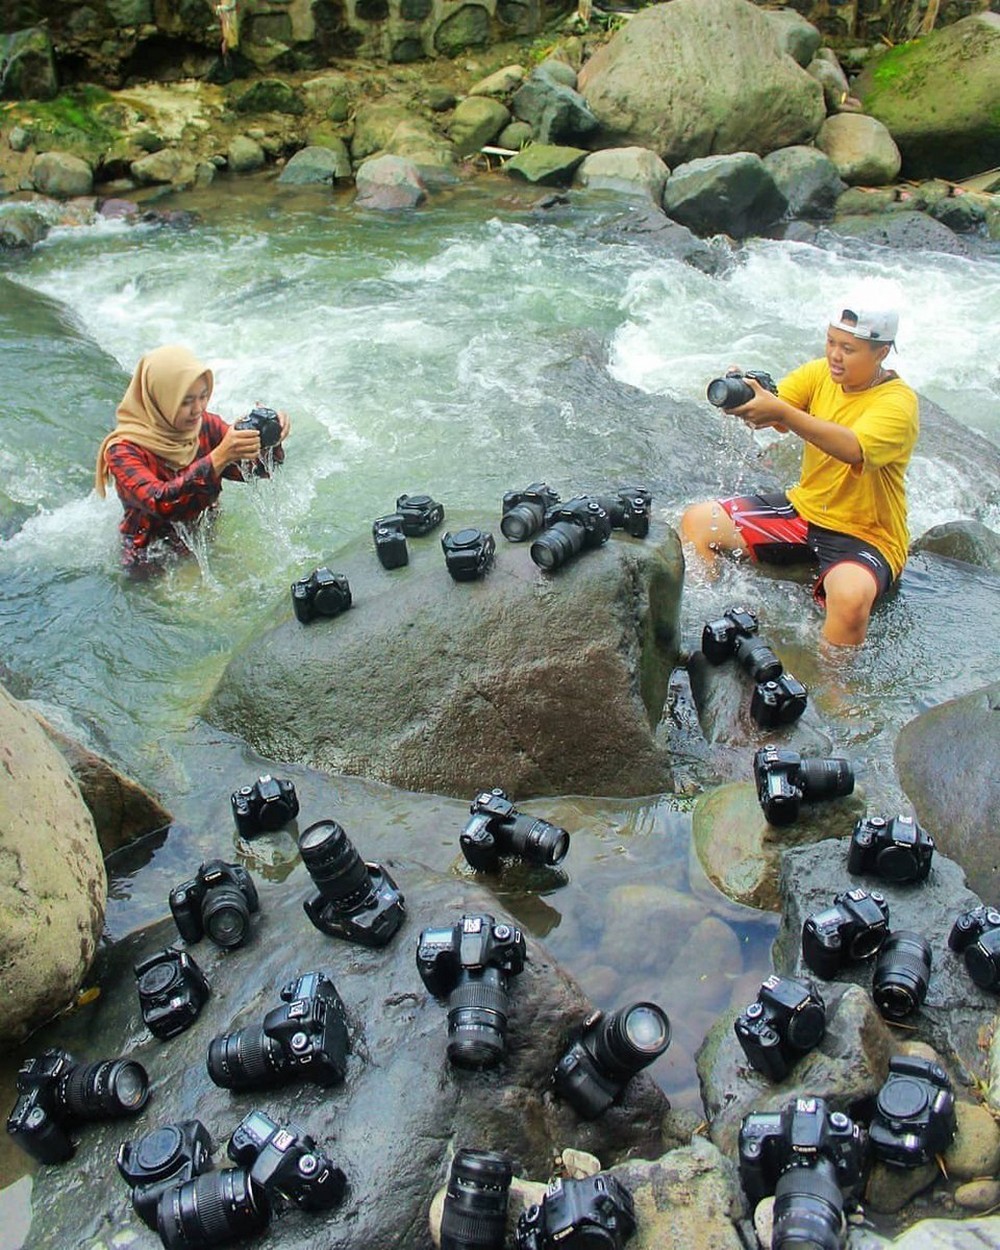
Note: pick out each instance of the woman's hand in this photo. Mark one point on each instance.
(236, 445)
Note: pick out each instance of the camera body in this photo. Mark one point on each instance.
(798, 1135)
(468, 553)
(370, 923)
(420, 514)
(629, 509)
(914, 1117)
(606, 1052)
(267, 424)
(779, 701)
(267, 805)
(497, 828)
(850, 931)
(897, 850)
(163, 1159)
(322, 593)
(285, 1162)
(595, 1211)
(211, 902)
(580, 524)
(172, 991)
(390, 541)
(784, 779)
(523, 511)
(787, 1020)
(730, 391)
(976, 934)
(719, 637)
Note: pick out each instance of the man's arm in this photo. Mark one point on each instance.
(766, 410)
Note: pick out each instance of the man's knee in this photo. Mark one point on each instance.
(851, 592)
(709, 528)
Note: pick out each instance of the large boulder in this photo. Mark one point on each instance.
(626, 171)
(938, 98)
(861, 148)
(388, 183)
(477, 120)
(52, 883)
(28, 65)
(555, 112)
(970, 541)
(945, 760)
(797, 37)
(699, 77)
(545, 164)
(733, 194)
(539, 683)
(807, 179)
(61, 175)
(316, 164)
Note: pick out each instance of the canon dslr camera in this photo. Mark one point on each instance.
(267, 424)
(420, 514)
(524, 511)
(303, 1039)
(606, 1053)
(286, 1163)
(267, 805)
(628, 509)
(976, 934)
(54, 1093)
(468, 554)
(787, 1020)
(390, 541)
(358, 901)
(914, 1117)
(597, 1211)
(163, 1159)
(172, 991)
(850, 931)
(730, 391)
(581, 524)
(217, 901)
(897, 849)
(471, 963)
(322, 593)
(497, 828)
(785, 780)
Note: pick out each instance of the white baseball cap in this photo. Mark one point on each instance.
(866, 321)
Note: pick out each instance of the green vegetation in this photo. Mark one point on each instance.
(84, 121)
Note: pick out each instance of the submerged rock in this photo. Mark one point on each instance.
(965, 540)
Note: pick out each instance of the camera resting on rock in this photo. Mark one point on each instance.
(267, 424)
(357, 900)
(850, 931)
(420, 514)
(475, 1204)
(267, 805)
(607, 1051)
(628, 509)
(524, 511)
(286, 1163)
(468, 554)
(303, 1039)
(785, 780)
(55, 1093)
(172, 991)
(596, 1212)
(497, 828)
(578, 525)
(163, 1159)
(896, 850)
(322, 593)
(976, 934)
(218, 902)
(390, 541)
(471, 962)
(787, 1020)
(914, 1117)
(778, 697)
(730, 391)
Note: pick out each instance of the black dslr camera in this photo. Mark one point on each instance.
(212, 1209)
(524, 511)
(497, 828)
(785, 779)
(305, 1038)
(420, 514)
(163, 1159)
(54, 1093)
(581, 524)
(471, 962)
(267, 805)
(286, 1163)
(468, 554)
(787, 1020)
(914, 1117)
(594, 1212)
(172, 991)
(475, 1204)
(734, 634)
(780, 701)
(850, 931)
(322, 593)
(267, 424)
(217, 901)
(798, 1136)
(628, 509)
(897, 849)
(390, 541)
(730, 391)
(606, 1053)
(358, 901)
(976, 933)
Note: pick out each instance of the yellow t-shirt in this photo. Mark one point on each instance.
(865, 500)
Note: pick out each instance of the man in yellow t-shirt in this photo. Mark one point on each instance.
(847, 513)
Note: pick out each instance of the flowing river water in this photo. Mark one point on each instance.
(429, 352)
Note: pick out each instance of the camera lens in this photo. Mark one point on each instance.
(808, 1209)
(477, 1019)
(475, 1206)
(902, 972)
(225, 916)
(211, 1209)
(559, 543)
(522, 521)
(97, 1091)
(335, 866)
(538, 841)
(245, 1059)
(630, 1039)
(757, 659)
(728, 392)
(825, 779)
(982, 959)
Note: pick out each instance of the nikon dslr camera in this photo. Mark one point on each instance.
(897, 849)
(358, 901)
(785, 779)
(420, 514)
(524, 511)
(976, 934)
(322, 593)
(787, 1020)
(730, 391)
(779, 701)
(267, 805)
(218, 901)
(286, 1163)
(161, 1160)
(390, 541)
(468, 554)
(850, 931)
(497, 828)
(172, 991)
(267, 424)
(734, 635)
(597, 1211)
(579, 525)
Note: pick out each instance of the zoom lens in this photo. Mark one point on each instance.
(902, 973)
(225, 916)
(522, 521)
(475, 1206)
(559, 543)
(104, 1090)
(339, 872)
(757, 659)
(728, 392)
(808, 1209)
(825, 779)
(211, 1210)
(477, 1019)
(538, 841)
(630, 1039)
(246, 1059)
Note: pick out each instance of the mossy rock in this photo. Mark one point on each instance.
(269, 95)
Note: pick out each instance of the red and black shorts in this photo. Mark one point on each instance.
(774, 533)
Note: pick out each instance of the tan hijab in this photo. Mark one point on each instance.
(146, 414)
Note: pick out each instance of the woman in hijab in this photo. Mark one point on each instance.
(167, 454)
